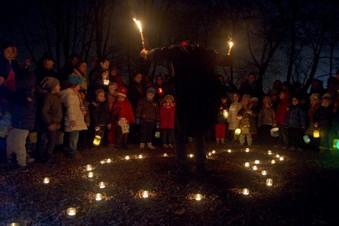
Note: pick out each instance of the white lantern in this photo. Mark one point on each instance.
(245, 191)
(247, 164)
(269, 182)
(102, 185)
(46, 180)
(71, 211)
(264, 172)
(98, 197)
(257, 162)
(237, 131)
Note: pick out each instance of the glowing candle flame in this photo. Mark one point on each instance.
(229, 151)
(46, 180)
(139, 25)
(230, 46)
(264, 172)
(98, 197)
(198, 197)
(245, 191)
(247, 164)
(269, 182)
(71, 211)
(102, 185)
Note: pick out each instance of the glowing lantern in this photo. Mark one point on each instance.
(165, 155)
(281, 158)
(190, 156)
(108, 160)
(89, 167)
(98, 197)
(247, 150)
(97, 140)
(71, 211)
(277, 156)
(269, 182)
(272, 161)
(336, 144)
(140, 156)
(127, 157)
(229, 151)
(245, 191)
(316, 133)
(264, 172)
(257, 162)
(225, 113)
(247, 164)
(106, 82)
(102, 162)
(237, 131)
(306, 139)
(102, 185)
(144, 194)
(269, 152)
(46, 180)
(214, 152)
(254, 168)
(90, 175)
(198, 197)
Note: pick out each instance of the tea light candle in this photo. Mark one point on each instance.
(108, 160)
(272, 161)
(209, 154)
(214, 152)
(145, 194)
(165, 155)
(269, 182)
(198, 197)
(254, 168)
(140, 156)
(281, 158)
(247, 164)
(277, 156)
(191, 156)
(98, 197)
(102, 185)
(71, 211)
(269, 152)
(46, 180)
(127, 157)
(229, 151)
(257, 162)
(247, 150)
(102, 162)
(264, 172)
(90, 175)
(245, 191)
(89, 167)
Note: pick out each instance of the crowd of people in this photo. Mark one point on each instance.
(41, 108)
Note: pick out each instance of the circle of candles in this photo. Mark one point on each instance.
(245, 191)
(269, 182)
(229, 151)
(102, 185)
(127, 157)
(198, 197)
(264, 172)
(214, 152)
(108, 160)
(254, 168)
(98, 197)
(191, 156)
(46, 180)
(145, 194)
(90, 175)
(272, 161)
(269, 152)
(281, 158)
(140, 156)
(257, 162)
(247, 150)
(165, 155)
(89, 167)
(71, 211)
(247, 164)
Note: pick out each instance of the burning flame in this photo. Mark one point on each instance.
(138, 23)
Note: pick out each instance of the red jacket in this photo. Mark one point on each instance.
(281, 113)
(123, 110)
(167, 116)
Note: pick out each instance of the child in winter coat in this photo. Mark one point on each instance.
(245, 115)
(322, 120)
(167, 119)
(111, 99)
(280, 116)
(99, 115)
(266, 120)
(221, 126)
(295, 124)
(51, 113)
(74, 120)
(148, 116)
(233, 114)
(123, 116)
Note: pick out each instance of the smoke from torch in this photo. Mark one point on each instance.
(139, 25)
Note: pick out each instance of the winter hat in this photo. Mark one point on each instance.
(151, 90)
(48, 83)
(326, 96)
(169, 97)
(74, 80)
(122, 92)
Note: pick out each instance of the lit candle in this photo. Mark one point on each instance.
(46, 180)
(247, 164)
(277, 156)
(102, 185)
(254, 168)
(102, 162)
(264, 172)
(257, 162)
(269, 182)
(229, 151)
(214, 152)
(97, 140)
(247, 150)
(316, 133)
(269, 152)
(230, 46)
(127, 157)
(191, 156)
(281, 158)
(71, 211)
(272, 161)
(145, 194)
(108, 160)
(140, 156)
(237, 131)
(198, 197)
(225, 113)
(209, 154)
(165, 155)
(106, 82)
(90, 174)
(98, 197)
(89, 167)
(245, 191)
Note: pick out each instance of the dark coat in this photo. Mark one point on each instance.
(148, 110)
(136, 92)
(197, 87)
(296, 118)
(99, 114)
(51, 109)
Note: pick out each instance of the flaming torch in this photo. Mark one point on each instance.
(139, 25)
(230, 46)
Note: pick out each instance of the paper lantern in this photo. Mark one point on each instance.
(269, 182)
(336, 144)
(275, 132)
(102, 185)
(247, 164)
(97, 140)
(71, 211)
(225, 113)
(245, 191)
(316, 133)
(46, 180)
(98, 197)
(198, 197)
(237, 131)
(306, 139)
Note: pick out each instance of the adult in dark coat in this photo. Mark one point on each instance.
(197, 94)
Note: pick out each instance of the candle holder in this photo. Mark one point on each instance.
(229, 151)
(102, 185)
(46, 180)
(269, 182)
(273, 162)
(257, 162)
(247, 164)
(264, 172)
(245, 191)
(71, 212)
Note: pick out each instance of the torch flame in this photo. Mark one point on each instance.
(230, 46)
(139, 25)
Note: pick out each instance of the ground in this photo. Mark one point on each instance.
(304, 192)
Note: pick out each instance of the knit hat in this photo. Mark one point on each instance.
(48, 83)
(122, 92)
(151, 90)
(75, 79)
